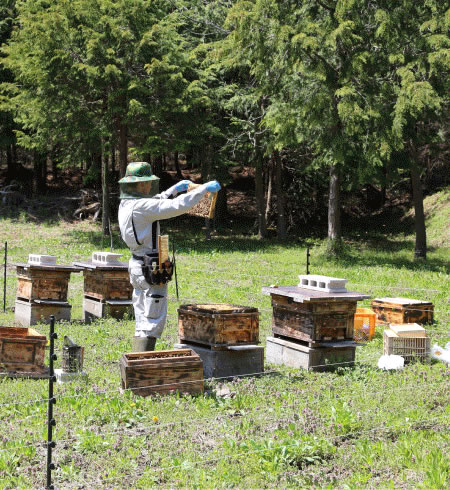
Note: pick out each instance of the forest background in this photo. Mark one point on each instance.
(328, 105)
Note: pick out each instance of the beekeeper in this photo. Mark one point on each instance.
(141, 209)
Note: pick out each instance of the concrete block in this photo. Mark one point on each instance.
(227, 363)
(322, 283)
(35, 259)
(297, 355)
(105, 258)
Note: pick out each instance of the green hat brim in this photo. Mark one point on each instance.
(131, 179)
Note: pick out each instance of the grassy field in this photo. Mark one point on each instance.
(353, 427)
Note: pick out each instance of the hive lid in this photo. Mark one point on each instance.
(37, 259)
(408, 330)
(402, 301)
(218, 308)
(106, 258)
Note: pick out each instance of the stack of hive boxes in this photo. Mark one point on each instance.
(42, 290)
(224, 336)
(107, 288)
(312, 323)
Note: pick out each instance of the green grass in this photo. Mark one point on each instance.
(354, 427)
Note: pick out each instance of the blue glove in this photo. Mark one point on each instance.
(182, 185)
(213, 186)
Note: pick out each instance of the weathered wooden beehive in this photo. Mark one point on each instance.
(312, 323)
(313, 316)
(224, 336)
(147, 373)
(42, 287)
(403, 310)
(22, 352)
(218, 324)
(107, 288)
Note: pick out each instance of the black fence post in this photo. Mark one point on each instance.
(4, 277)
(307, 260)
(51, 401)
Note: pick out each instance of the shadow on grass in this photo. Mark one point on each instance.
(368, 247)
(48, 210)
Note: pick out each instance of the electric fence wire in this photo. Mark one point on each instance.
(252, 412)
(98, 393)
(202, 461)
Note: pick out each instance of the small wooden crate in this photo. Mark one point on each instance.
(39, 283)
(408, 347)
(403, 310)
(147, 373)
(107, 284)
(22, 350)
(313, 321)
(218, 324)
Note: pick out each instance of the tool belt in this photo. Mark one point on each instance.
(153, 274)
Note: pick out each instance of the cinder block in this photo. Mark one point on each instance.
(229, 362)
(106, 258)
(322, 283)
(35, 259)
(297, 355)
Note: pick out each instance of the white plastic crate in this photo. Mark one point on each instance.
(408, 347)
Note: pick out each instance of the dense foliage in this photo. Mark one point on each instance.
(355, 89)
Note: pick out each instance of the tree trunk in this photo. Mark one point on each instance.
(123, 149)
(10, 164)
(177, 165)
(259, 192)
(281, 220)
(39, 173)
(334, 206)
(105, 193)
(269, 192)
(420, 251)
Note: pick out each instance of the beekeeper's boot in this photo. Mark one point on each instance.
(143, 344)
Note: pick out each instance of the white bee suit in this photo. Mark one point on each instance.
(150, 302)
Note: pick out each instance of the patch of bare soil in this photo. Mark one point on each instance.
(241, 203)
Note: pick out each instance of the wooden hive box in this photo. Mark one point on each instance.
(107, 284)
(22, 350)
(313, 321)
(410, 348)
(147, 373)
(218, 324)
(34, 283)
(403, 310)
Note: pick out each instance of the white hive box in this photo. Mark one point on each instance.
(105, 258)
(36, 259)
(322, 283)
